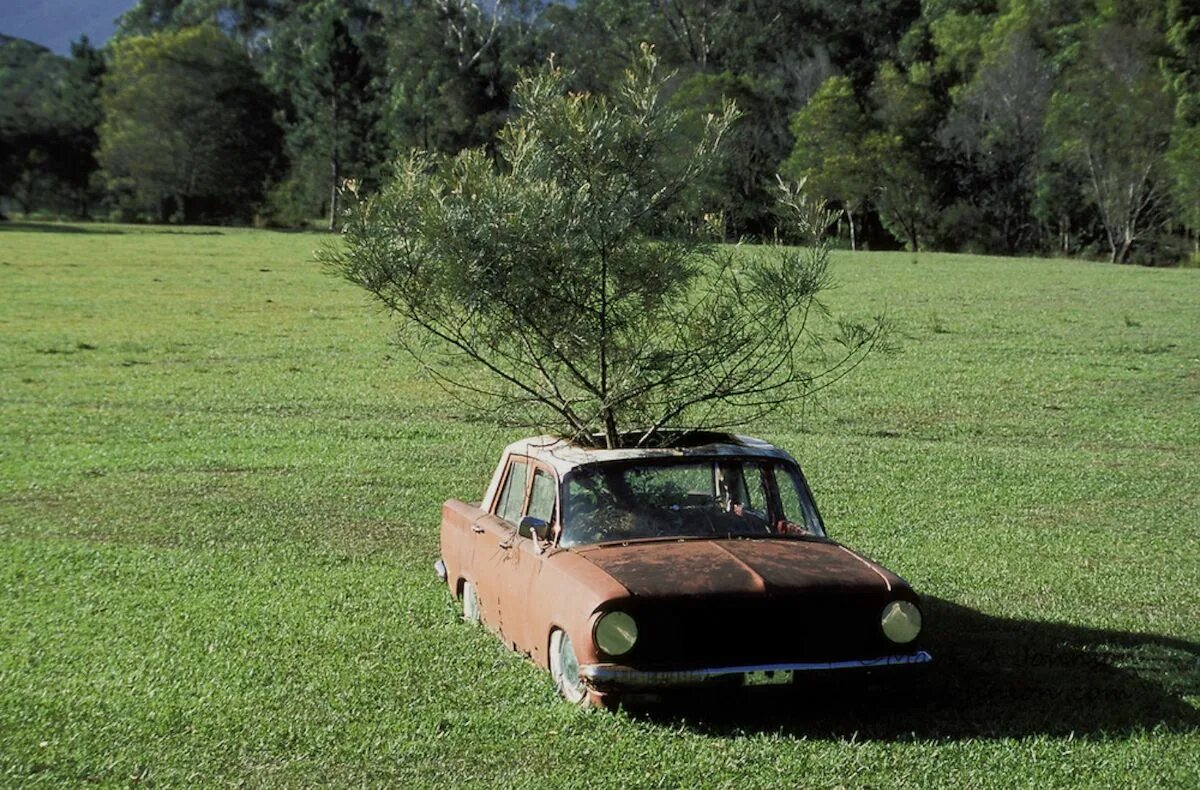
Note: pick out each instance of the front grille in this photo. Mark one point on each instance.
(712, 632)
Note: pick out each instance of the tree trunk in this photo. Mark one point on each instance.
(1121, 252)
(611, 438)
(333, 192)
(334, 127)
(850, 220)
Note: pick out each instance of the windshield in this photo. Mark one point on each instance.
(720, 497)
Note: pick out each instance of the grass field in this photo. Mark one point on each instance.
(220, 489)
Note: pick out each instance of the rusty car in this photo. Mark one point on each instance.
(641, 570)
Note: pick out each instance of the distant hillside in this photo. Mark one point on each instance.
(18, 51)
(5, 40)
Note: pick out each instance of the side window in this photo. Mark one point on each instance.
(757, 493)
(512, 497)
(797, 509)
(541, 498)
(742, 484)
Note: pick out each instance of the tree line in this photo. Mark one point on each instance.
(998, 126)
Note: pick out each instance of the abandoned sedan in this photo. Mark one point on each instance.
(640, 570)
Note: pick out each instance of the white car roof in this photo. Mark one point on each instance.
(563, 456)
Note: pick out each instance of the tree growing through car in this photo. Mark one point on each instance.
(570, 279)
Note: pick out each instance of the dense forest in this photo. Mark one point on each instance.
(1013, 126)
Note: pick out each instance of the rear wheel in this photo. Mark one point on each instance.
(564, 669)
(470, 603)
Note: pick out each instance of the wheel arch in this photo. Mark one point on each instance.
(542, 658)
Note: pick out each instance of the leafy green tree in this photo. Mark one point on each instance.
(903, 152)
(1110, 119)
(595, 40)
(573, 277)
(1183, 161)
(25, 118)
(451, 66)
(188, 128)
(697, 30)
(448, 89)
(48, 123)
(322, 67)
(148, 17)
(830, 154)
(857, 35)
(993, 135)
(1182, 68)
(740, 189)
(247, 20)
(81, 94)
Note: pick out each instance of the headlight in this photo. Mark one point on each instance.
(901, 621)
(615, 633)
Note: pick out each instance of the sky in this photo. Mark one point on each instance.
(56, 23)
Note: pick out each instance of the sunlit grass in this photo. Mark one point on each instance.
(220, 488)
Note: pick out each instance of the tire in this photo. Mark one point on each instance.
(564, 669)
(470, 603)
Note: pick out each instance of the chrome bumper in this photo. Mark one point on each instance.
(439, 567)
(608, 677)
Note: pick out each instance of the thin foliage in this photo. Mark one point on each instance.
(571, 270)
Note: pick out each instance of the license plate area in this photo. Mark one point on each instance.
(769, 677)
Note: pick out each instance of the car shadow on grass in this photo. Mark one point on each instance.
(991, 677)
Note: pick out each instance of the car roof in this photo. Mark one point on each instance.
(562, 455)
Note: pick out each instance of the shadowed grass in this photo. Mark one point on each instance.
(220, 489)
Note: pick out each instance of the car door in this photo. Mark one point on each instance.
(493, 535)
(521, 562)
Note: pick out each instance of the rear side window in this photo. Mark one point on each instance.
(541, 498)
(512, 497)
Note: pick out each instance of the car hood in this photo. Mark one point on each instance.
(730, 567)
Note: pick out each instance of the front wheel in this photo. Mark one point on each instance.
(564, 669)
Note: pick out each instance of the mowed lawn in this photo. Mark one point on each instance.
(220, 488)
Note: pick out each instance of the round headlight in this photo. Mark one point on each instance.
(901, 621)
(615, 633)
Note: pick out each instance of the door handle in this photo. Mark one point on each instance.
(506, 543)
(476, 528)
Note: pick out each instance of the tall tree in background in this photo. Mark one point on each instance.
(148, 17)
(697, 30)
(859, 35)
(596, 39)
(27, 118)
(188, 129)
(48, 123)
(1110, 119)
(81, 94)
(830, 155)
(320, 65)
(954, 142)
(448, 89)
(903, 151)
(247, 21)
(1182, 67)
(740, 188)
(994, 134)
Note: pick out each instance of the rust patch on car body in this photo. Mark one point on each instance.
(704, 567)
